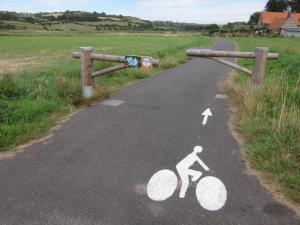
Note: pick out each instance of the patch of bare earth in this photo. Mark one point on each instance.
(16, 65)
(13, 66)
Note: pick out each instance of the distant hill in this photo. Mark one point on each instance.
(90, 22)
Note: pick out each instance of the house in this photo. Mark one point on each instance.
(285, 23)
(291, 28)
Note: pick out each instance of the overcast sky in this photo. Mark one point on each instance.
(198, 11)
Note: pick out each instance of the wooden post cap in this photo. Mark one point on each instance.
(262, 48)
(86, 49)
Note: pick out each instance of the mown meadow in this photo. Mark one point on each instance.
(40, 81)
(269, 119)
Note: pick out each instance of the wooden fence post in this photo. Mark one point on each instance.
(86, 71)
(259, 69)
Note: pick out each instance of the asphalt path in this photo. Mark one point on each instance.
(95, 168)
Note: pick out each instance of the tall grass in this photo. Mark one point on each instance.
(269, 119)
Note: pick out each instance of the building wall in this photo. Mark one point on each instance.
(290, 29)
(290, 34)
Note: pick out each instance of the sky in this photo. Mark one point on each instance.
(195, 11)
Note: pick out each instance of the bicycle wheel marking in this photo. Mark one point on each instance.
(211, 193)
(162, 185)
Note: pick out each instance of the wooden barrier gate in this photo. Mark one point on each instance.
(87, 56)
(260, 56)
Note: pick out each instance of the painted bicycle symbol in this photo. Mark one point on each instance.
(210, 191)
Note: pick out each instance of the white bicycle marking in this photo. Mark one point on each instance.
(162, 185)
(211, 193)
(184, 171)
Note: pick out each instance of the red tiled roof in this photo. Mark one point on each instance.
(277, 23)
(276, 20)
(268, 17)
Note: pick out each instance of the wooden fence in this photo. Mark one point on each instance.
(87, 56)
(260, 56)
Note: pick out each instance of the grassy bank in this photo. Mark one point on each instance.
(40, 82)
(269, 119)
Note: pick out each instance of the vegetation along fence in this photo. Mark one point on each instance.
(87, 56)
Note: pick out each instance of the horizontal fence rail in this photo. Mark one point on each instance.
(110, 70)
(229, 54)
(233, 65)
(110, 58)
(260, 56)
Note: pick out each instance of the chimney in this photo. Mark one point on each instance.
(289, 11)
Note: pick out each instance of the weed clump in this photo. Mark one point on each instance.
(9, 88)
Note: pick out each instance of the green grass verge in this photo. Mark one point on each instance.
(40, 81)
(269, 119)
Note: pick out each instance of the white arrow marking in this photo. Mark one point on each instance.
(206, 114)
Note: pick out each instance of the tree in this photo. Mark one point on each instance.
(212, 27)
(297, 7)
(295, 4)
(282, 5)
(254, 18)
(8, 15)
(276, 5)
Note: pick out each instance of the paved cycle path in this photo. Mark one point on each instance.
(96, 167)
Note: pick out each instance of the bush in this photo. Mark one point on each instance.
(9, 88)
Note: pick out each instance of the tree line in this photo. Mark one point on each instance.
(46, 19)
(282, 5)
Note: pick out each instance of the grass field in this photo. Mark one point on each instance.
(40, 82)
(269, 119)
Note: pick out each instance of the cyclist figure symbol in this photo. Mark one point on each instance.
(210, 191)
(184, 171)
